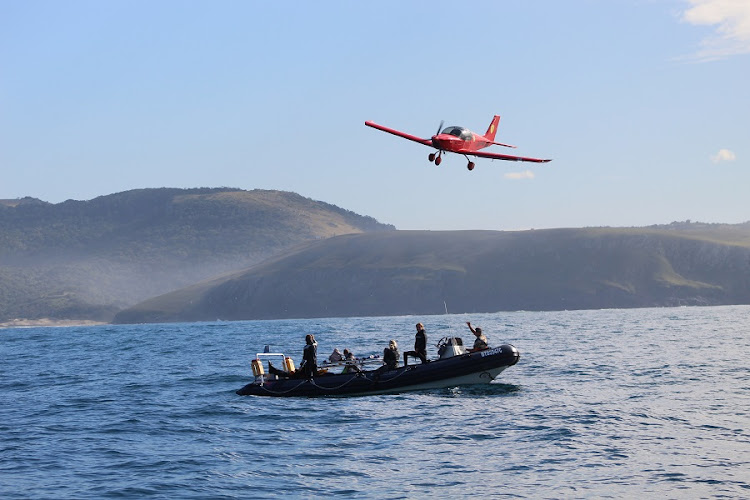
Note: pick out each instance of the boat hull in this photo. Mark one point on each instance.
(467, 369)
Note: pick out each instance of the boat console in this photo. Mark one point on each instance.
(450, 346)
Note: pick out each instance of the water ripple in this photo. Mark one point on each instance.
(615, 403)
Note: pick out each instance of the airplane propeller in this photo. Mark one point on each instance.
(437, 158)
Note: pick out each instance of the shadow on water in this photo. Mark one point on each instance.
(471, 391)
(482, 391)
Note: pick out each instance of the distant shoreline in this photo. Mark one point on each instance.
(30, 323)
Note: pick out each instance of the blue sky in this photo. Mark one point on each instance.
(643, 105)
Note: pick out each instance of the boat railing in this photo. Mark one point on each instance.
(366, 363)
(257, 365)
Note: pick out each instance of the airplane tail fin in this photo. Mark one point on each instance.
(492, 130)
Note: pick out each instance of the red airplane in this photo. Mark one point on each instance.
(460, 140)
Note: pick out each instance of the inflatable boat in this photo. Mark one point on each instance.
(455, 366)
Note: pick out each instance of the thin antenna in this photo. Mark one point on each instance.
(450, 328)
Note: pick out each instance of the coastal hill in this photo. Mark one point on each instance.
(86, 260)
(414, 272)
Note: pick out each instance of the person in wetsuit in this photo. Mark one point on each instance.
(420, 346)
(390, 359)
(390, 355)
(309, 365)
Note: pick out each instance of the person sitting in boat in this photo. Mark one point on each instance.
(420, 346)
(348, 355)
(336, 356)
(480, 343)
(390, 359)
(309, 365)
(390, 355)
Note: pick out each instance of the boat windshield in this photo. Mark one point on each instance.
(460, 132)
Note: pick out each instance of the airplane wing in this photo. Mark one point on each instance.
(426, 142)
(497, 156)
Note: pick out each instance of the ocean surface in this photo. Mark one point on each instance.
(612, 403)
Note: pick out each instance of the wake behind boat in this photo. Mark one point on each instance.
(455, 367)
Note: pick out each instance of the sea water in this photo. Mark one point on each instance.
(611, 403)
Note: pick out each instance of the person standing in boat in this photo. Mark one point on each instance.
(480, 343)
(309, 365)
(420, 346)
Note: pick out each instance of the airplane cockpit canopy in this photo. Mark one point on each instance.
(460, 132)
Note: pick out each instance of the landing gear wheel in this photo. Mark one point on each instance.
(470, 166)
(438, 160)
(431, 157)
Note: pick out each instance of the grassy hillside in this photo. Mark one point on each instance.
(89, 259)
(414, 272)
